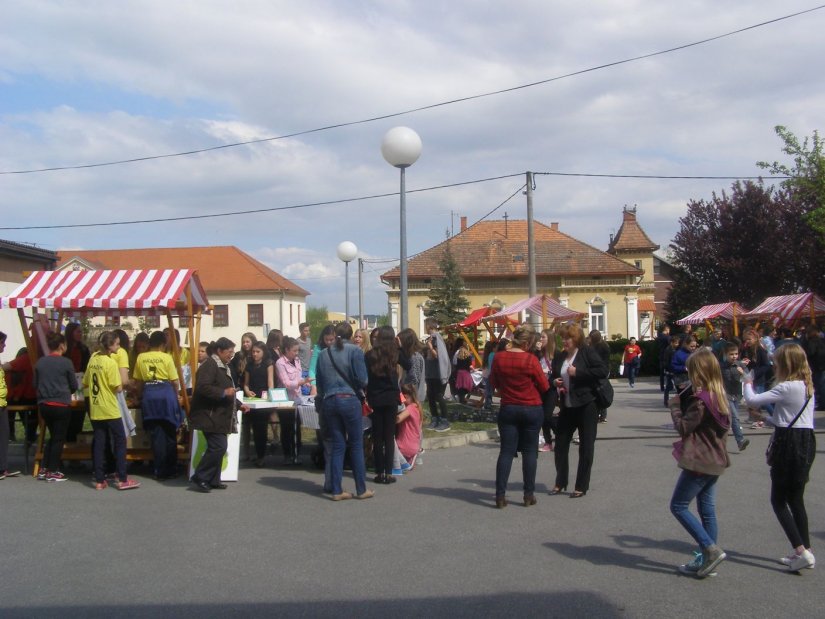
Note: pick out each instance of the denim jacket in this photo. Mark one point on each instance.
(350, 361)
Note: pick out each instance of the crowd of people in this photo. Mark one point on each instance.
(383, 377)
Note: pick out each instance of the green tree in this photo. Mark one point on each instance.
(317, 317)
(743, 246)
(806, 182)
(447, 303)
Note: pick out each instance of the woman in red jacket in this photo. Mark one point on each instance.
(521, 382)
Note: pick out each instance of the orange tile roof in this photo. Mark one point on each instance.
(498, 248)
(630, 236)
(646, 305)
(221, 269)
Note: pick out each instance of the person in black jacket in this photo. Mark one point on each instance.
(213, 413)
(594, 339)
(580, 373)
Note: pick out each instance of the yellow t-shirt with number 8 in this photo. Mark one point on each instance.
(102, 379)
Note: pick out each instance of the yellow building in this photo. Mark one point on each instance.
(611, 289)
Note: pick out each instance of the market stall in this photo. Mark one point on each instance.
(789, 309)
(730, 311)
(53, 296)
(543, 305)
(480, 318)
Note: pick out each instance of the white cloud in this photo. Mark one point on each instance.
(271, 68)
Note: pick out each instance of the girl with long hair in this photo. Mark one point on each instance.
(258, 378)
(793, 448)
(550, 360)
(413, 348)
(702, 419)
(290, 376)
(463, 361)
(102, 379)
(384, 396)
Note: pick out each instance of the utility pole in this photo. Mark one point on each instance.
(531, 249)
(360, 293)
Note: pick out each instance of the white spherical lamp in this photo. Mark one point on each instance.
(401, 147)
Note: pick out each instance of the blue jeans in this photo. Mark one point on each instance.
(703, 488)
(734, 421)
(632, 370)
(343, 414)
(518, 427)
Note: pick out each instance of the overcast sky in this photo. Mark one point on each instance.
(92, 82)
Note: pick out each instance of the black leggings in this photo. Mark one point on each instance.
(788, 504)
(549, 423)
(383, 437)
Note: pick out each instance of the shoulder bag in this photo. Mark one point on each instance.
(365, 408)
(777, 442)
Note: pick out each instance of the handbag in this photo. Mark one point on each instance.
(777, 439)
(604, 394)
(365, 408)
(621, 369)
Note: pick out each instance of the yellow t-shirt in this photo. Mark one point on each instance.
(121, 357)
(154, 365)
(102, 378)
(4, 392)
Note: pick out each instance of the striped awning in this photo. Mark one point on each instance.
(119, 293)
(540, 305)
(789, 307)
(725, 311)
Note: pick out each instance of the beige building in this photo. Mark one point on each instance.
(614, 289)
(17, 260)
(245, 294)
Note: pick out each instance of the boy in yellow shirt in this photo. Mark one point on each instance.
(4, 421)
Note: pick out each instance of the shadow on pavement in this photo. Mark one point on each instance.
(467, 495)
(603, 555)
(292, 484)
(561, 604)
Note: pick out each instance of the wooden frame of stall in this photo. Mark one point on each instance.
(184, 308)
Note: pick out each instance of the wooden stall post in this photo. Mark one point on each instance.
(176, 358)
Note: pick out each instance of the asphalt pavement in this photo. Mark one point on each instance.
(430, 545)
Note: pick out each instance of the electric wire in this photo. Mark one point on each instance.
(418, 109)
(380, 195)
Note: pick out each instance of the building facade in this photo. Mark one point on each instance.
(614, 289)
(245, 294)
(17, 260)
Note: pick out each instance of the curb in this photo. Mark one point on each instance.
(457, 440)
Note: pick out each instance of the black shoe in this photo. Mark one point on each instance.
(201, 486)
(220, 486)
(379, 479)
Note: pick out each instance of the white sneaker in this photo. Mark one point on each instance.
(803, 560)
(787, 560)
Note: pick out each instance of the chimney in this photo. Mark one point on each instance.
(554, 225)
(463, 224)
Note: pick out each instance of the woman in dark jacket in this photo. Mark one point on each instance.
(596, 342)
(213, 413)
(384, 396)
(580, 373)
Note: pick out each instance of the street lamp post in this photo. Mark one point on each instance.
(401, 147)
(346, 252)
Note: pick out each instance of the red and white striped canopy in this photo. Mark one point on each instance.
(540, 305)
(789, 307)
(725, 311)
(126, 292)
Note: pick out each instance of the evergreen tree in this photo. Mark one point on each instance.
(447, 303)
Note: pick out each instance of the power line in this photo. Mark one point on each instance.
(418, 109)
(380, 195)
